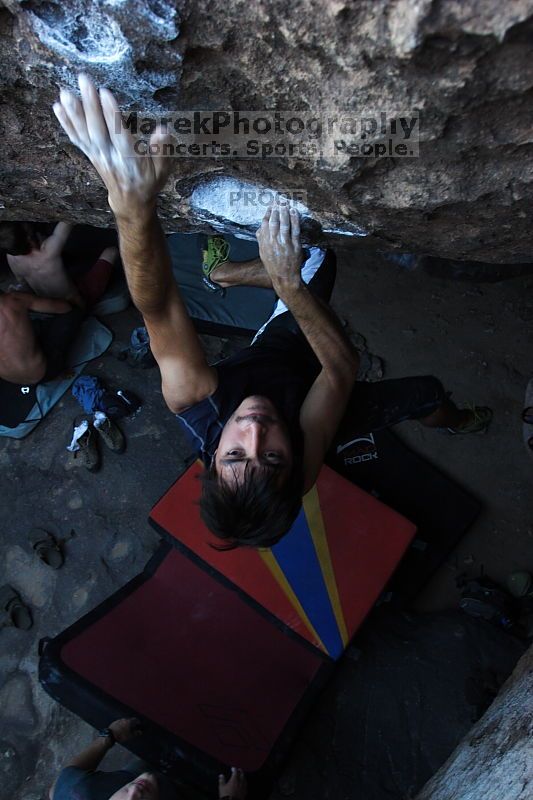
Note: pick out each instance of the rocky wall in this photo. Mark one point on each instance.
(461, 68)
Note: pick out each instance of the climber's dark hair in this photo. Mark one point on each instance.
(256, 512)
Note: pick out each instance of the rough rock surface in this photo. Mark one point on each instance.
(495, 760)
(465, 67)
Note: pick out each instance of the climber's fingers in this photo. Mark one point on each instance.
(263, 228)
(61, 110)
(119, 134)
(94, 116)
(74, 118)
(284, 224)
(162, 147)
(273, 223)
(123, 142)
(295, 228)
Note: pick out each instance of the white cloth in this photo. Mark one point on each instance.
(79, 430)
(99, 419)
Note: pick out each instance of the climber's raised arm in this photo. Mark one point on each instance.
(133, 183)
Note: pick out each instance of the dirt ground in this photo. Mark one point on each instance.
(477, 339)
(474, 337)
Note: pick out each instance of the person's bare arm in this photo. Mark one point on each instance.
(322, 410)
(15, 269)
(55, 243)
(185, 376)
(133, 183)
(242, 273)
(46, 305)
(53, 246)
(90, 757)
(325, 404)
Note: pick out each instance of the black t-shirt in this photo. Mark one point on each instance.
(282, 369)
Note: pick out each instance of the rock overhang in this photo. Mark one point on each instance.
(468, 76)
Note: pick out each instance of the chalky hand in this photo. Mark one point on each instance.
(94, 124)
(280, 249)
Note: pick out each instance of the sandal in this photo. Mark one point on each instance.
(217, 253)
(481, 419)
(527, 415)
(13, 612)
(46, 547)
(527, 418)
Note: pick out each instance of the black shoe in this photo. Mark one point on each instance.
(87, 455)
(111, 434)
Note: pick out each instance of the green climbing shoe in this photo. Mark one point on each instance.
(217, 253)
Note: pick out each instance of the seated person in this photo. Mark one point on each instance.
(35, 334)
(81, 779)
(36, 262)
(39, 320)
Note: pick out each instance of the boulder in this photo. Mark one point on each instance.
(495, 760)
(449, 80)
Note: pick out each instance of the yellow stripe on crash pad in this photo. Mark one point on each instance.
(271, 562)
(315, 521)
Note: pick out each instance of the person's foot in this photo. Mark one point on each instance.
(219, 274)
(477, 420)
(109, 254)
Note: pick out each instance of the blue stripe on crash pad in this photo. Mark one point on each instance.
(298, 560)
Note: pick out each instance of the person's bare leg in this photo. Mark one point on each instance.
(242, 273)
(109, 254)
(46, 275)
(93, 283)
(21, 358)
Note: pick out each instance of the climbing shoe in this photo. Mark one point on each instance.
(481, 417)
(217, 253)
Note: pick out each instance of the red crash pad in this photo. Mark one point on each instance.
(187, 654)
(324, 576)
